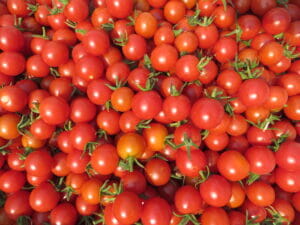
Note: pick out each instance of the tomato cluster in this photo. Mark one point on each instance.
(153, 112)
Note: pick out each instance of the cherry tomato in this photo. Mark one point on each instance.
(215, 191)
(127, 208)
(44, 198)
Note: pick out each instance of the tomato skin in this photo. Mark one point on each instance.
(291, 83)
(64, 214)
(8, 65)
(186, 68)
(224, 18)
(108, 121)
(168, 83)
(12, 181)
(237, 197)
(76, 181)
(8, 126)
(155, 136)
(206, 7)
(89, 68)
(66, 36)
(100, 16)
(296, 201)
(276, 21)
(270, 53)
(277, 98)
(287, 156)
(187, 200)
(104, 159)
(215, 191)
(242, 6)
(158, 172)
(225, 49)
(54, 110)
(207, 113)
(254, 92)
(5, 80)
(207, 35)
(214, 216)
(13, 98)
(18, 7)
(281, 66)
(233, 165)
(156, 211)
(177, 108)
(80, 83)
(285, 127)
(36, 67)
(76, 10)
(292, 34)
(60, 167)
(55, 53)
(61, 87)
(261, 7)
(17, 204)
(193, 165)
(236, 218)
(96, 42)
(260, 193)
(257, 136)
(135, 48)
(187, 131)
(109, 217)
(90, 191)
(186, 42)
(121, 99)
(119, 9)
(128, 122)
(39, 163)
(82, 110)
(261, 160)
(255, 212)
(4, 219)
(208, 73)
(134, 182)
(260, 40)
(36, 180)
(216, 142)
(287, 181)
(292, 109)
(285, 209)
(97, 92)
(130, 144)
(64, 142)
(146, 104)
(163, 35)
(44, 198)
(157, 3)
(164, 57)
(11, 39)
(257, 114)
(145, 25)
(174, 11)
(250, 26)
(117, 72)
(84, 208)
(127, 208)
(77, 161)
(229, 80)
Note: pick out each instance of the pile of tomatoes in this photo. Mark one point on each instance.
(150, 112)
